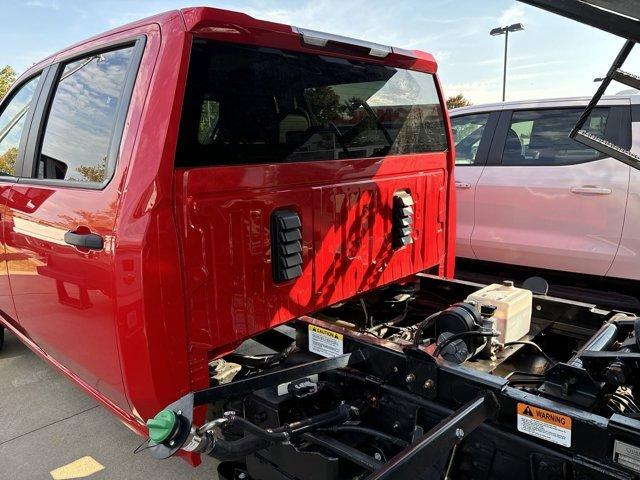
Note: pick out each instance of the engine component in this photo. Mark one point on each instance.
(513, 308)
(465, 332)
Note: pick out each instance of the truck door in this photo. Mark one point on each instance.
(472, 134)
(15, 113)
(62, 213)
(551, 202)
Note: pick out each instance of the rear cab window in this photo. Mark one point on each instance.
(246, 104)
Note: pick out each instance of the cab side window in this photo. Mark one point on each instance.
(12, 121)
(78, 135)
(467, 132)
(541, 137)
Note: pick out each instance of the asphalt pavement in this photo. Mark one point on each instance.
(50, 429)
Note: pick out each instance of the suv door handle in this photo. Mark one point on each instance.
(463, 185)
(591, 190)
(90, 241)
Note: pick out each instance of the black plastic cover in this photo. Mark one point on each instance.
(286, 245)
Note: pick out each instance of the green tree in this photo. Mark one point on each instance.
(93, 174)
(8, 161)
(325, 102)
(7, 77)
(457, 101)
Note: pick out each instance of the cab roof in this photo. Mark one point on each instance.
(228, 25)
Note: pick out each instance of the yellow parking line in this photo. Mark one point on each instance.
(81, 468)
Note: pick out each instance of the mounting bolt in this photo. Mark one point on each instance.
(396, 425)
(377, 456)
(429, 384)
(410, 378)
(242, 476)
(395, 369)
(179, 412)
(172, 443)
(459, 433)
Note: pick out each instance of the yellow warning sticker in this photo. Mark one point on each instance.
(325, 342)
(545, 424)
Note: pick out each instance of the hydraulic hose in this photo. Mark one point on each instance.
(257, 438)
(339, 415)
(228, 450)
(366, 431)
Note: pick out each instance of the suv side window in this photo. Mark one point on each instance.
(467, 132)
(541, 137)
(82, 118)
(12, 120)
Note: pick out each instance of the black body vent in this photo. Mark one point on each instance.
(402, 219)
(286, 245)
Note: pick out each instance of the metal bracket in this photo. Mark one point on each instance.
(270, 379)
(427, 459)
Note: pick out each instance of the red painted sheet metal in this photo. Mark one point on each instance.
(345, 207)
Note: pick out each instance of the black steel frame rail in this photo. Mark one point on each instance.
(427, 458)
(246, 386)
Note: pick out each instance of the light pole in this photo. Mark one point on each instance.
(514, 27)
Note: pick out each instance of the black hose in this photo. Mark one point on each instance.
(460, 335)
(422, 327)
(228, 450)
(257, 438)
(366, 431)
(338, 415)
(250, 427)
(534, 345)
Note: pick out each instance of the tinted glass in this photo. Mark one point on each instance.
(12, 121)
(260, 105)
(467, 132)
(82, 118)
(541, 137)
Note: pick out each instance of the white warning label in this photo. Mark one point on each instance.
(544, 424)
(325, 342)
(626, 455)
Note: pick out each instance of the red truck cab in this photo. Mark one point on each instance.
(183, 183)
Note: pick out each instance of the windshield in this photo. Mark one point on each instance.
(247, 104)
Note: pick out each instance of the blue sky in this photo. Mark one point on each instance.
(553, 57)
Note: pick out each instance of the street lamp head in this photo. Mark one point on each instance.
(514, 27)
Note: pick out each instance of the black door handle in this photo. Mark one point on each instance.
(91, 241)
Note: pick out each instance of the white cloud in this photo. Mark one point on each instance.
(441, 55)
(513, 14)
(53, 4)
(536, 65)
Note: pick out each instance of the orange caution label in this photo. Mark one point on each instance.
(538, 422)
(546, 416)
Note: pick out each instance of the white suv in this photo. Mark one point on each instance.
(528, 195)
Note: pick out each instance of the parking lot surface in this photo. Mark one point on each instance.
(50, 429)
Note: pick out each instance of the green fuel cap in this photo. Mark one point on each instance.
(161, 426)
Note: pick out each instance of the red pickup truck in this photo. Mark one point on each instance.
(179, 185)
